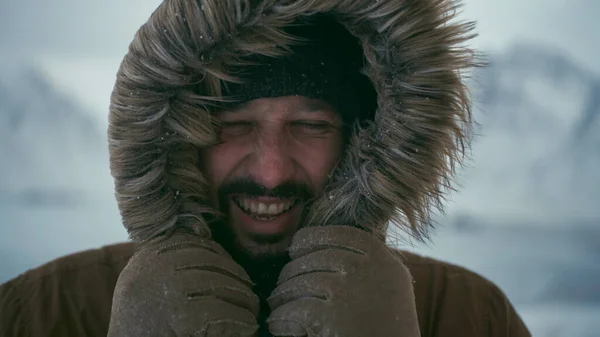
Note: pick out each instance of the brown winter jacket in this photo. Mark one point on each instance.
(72, 296)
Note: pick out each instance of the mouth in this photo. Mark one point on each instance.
(264, 209)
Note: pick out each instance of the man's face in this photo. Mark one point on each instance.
(274, 156)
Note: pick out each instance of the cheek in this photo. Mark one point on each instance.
(219, 161)
(318, 159)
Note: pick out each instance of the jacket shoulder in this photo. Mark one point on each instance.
(69, 296)
(454, 301)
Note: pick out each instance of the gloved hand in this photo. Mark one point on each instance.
(342, 281)
(183, 286)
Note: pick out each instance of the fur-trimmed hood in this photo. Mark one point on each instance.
(396, 168)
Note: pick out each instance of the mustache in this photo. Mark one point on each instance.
(250, 188)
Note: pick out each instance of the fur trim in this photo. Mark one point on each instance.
(396, 169)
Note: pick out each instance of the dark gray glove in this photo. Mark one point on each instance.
(183, 286)
(342, 281)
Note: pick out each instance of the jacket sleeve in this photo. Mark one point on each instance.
(12, 317)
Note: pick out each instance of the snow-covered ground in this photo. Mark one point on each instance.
(562, 320)
(34, 235)
(551, 275)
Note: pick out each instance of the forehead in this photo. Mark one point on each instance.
(287, 106)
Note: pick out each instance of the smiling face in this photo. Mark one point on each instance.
(274, 156)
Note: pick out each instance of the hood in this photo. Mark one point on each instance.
(396, 168)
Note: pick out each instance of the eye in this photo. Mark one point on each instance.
(235, 129)
(312, 128)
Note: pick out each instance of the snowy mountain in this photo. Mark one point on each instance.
(537, 151)
(534, 262)
(527, 214)
(549, 271)
(51, 151)
(55, 186)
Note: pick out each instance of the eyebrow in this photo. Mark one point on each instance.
(310, 107)
(314, 106)
(318, 108)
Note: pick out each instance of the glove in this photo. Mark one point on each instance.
(183, 286)
(342, 281)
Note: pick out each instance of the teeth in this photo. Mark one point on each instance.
(261, 208)
(273, 208)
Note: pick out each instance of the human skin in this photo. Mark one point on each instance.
(274, 143)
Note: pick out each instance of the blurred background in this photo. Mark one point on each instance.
(527, 214)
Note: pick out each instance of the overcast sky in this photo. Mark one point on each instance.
(97, 28)
(81, 42)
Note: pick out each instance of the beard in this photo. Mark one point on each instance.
(258, 253)
(262, 265)
(262, 256)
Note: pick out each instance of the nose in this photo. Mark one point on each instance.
(271, 164)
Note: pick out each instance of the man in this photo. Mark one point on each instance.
(260, 149)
